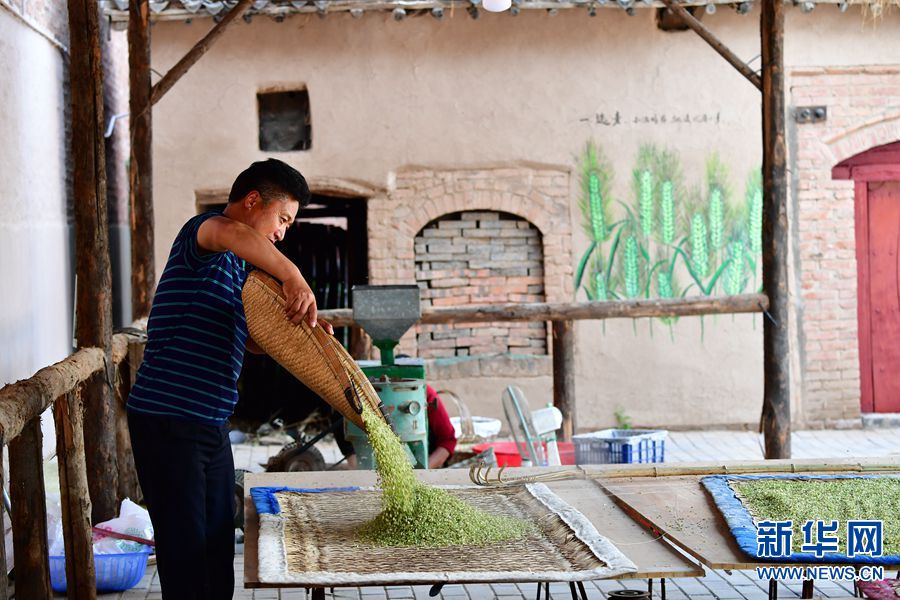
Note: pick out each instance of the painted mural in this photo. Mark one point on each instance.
(670, 238)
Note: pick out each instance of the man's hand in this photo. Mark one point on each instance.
(300, 301)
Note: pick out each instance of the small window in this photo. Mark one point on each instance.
(285, 123)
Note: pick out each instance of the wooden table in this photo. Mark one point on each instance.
(639, 514)
(680, 508)
(654, 557)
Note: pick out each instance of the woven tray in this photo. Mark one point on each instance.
(308, 353)
(308, 537)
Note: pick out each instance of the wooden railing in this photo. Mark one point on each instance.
(21, 405)
(60, 385)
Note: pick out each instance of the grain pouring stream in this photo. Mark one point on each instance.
(415, 514)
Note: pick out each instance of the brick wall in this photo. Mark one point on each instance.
(826, 252)
(538, 195)
(480, 257)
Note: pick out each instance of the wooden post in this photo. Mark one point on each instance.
(93, 318)
(564, 375)
(776, 413)
(29, 512)
(140, 167)
(128, 481)
(76, 503)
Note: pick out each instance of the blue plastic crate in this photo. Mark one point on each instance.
(114, 572)
(620, 446)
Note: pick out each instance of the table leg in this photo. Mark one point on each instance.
(650, 587)
(582, 591)
(662, 588)
(773, 589)
(318, 593)
(808, 588)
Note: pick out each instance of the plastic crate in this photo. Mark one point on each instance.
(620, 446)
(114, 572)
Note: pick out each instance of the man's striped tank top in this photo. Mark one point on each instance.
(197, 334)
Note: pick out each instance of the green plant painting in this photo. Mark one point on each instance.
(671, 239)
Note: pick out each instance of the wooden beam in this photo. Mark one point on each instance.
(538, 311)
(281, 10)
(714, 42)
(564, 375)
(199, 49)
(29, 513)
(140, 167)
(93, 316)
(68, 413)
(776, 413)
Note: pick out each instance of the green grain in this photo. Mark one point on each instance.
(734, 276)
(414, 514)
(756, 218)
(632, 268)
(716, 219)
(645, 202)
(598, 222)
(699, 246)
(667, 213)
(829, 500)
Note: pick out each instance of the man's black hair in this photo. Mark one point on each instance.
(274, 180)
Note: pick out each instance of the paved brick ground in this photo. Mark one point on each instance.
(680, 447)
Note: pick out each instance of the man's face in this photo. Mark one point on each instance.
(273, 218)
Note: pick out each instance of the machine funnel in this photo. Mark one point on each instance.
(386, 312)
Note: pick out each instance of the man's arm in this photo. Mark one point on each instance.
(220, 234)
(437, 458)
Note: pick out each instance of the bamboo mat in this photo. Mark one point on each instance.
(310, 539)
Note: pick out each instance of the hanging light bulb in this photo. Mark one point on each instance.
(496, 5)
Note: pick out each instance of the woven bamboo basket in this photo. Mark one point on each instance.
(309, 353)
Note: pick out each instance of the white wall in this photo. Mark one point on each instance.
(35, 299)
(463, 93)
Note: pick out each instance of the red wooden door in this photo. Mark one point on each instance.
(884, 293)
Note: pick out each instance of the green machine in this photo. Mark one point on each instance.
(386, 312)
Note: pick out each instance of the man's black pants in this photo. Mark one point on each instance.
(186, 472)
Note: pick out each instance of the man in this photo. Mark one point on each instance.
(186, 387)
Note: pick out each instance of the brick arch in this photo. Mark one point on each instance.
(878, 131)
(537, 194)
(482, 257)
(425, 215)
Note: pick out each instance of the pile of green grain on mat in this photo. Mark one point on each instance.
(827, 500)
(414, 514)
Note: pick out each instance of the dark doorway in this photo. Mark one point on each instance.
(328, 242)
